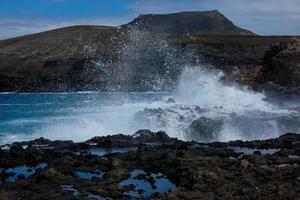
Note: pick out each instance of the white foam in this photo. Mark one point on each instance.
(198, 86)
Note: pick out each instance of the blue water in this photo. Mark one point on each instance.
(77, 116)
(106, 151)
(162, 184)
(89, 175)
(249, 151)
(81, 116)
(22, 170)
(70, 189)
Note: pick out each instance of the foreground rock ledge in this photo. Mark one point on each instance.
(266, 169)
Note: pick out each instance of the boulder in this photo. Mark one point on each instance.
(171, 100)
(204, 129)
(146, 136)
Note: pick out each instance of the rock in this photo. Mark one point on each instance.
(245, 164)
(188, 23)
(149, 116)
(58, 61)
(16, 148)
(204, 129)
(115, 162)
(199, 110)
(257, 153)
(296, 145)
(146, 136)
(52, 171)
(212, 176)
(171, 100)
(192, 172)
(281, 70)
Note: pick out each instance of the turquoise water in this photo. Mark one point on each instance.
(76, 116)
(81, 116)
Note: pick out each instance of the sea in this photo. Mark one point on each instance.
(79, 116)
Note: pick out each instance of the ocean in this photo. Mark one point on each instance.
(79, 116)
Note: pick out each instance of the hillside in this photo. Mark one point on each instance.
(70, 40)
(137, 59)
(54, 58)
(189, 23)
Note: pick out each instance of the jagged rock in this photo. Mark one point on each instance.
(140, 137)
(195, 172)
(146, 136)
(281, 70)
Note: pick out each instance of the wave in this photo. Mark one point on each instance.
(5, 93)
(199, 86)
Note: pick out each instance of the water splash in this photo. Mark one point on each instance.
(146, 62)
(203, 87)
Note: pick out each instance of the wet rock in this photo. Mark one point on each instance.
(257, 153)
(285, 141)
(152, 116)
(199, 110)
(16, 148)
(171, 100)
(204, 129)
(192, 172)
(146, 136)
(165, 117)
(280, 73)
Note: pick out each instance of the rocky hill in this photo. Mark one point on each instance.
(138, 59)
(189, 23)
(53, 59)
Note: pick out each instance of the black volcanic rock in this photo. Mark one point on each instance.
(281, 70)
(195, 171)
(188, 23)
(204, 129)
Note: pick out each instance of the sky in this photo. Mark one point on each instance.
(264, 17)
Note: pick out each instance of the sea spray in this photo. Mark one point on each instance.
(146, 62)
(202, 86)
(201, 93)
(80, 116)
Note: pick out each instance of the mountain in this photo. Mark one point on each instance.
(188, 23)
(53, 60)
(133, 58)
(72, 40)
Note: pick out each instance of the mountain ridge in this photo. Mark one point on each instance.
(188, 23)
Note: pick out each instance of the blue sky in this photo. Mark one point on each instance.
(265, 17)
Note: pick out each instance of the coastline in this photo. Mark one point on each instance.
(267, 169)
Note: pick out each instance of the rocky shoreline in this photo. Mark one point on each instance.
(151, 165)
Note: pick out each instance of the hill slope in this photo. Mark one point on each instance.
(189, 23)
(125, 59)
